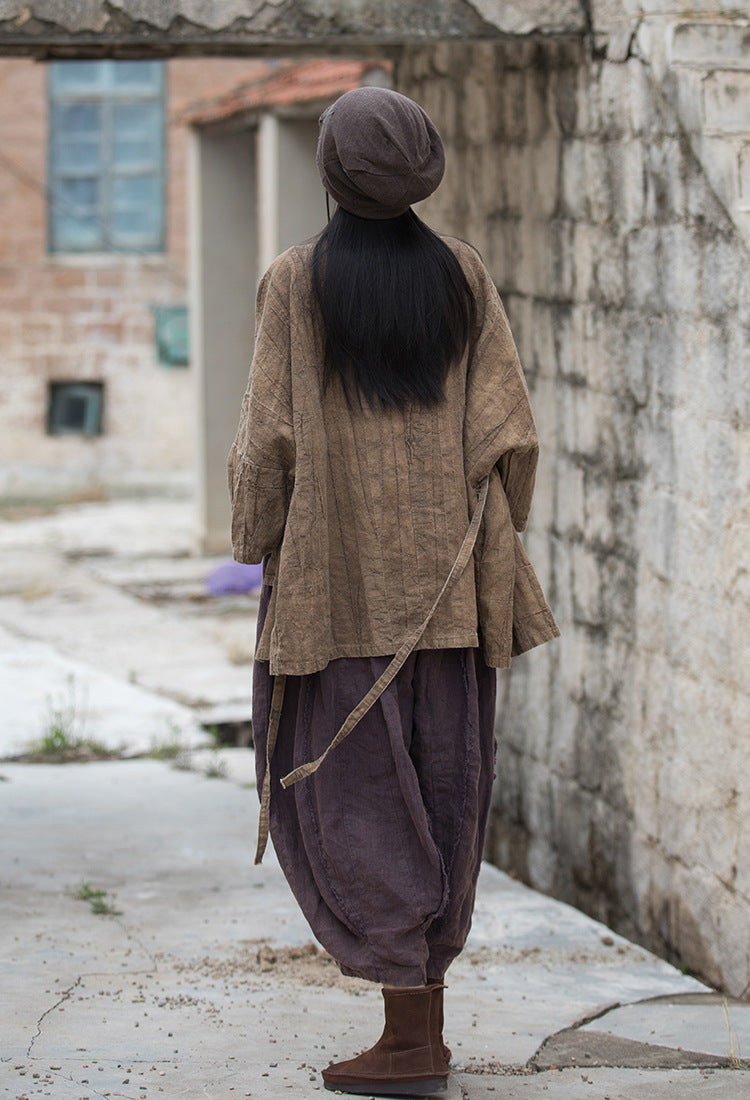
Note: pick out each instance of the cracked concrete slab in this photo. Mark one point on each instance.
(594, 1047)
(717, 1026)
(204, 980)
(200, 977)
(612, 1084)
(104, 615)
(143, 27)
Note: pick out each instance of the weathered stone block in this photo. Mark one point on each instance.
(573, 178)
(707, 45)
(545, 173)
(738, 375)
(613, 100)
(641, 99)
(532, 16)
(688, 92)
(598, 183)
(709, 928)
(699, 382)
(628, 171)
(743, 164)
(513, 98)
(537, 108)
(681, 265)
(571, 814)
(597, 511)
(515, 167)
(588, 609)
(570, 497)
(478, 109)
(562, 750)
(726, 102)
(563, 99)
(542, 355)
(608, 280)
(643, 269)
(561, 583)
(722, 277)
(555, 252)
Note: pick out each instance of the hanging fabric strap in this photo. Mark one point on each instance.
(377, 689)
(277, 700)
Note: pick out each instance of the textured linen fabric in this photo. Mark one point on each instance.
(382, 846)
(362, 511)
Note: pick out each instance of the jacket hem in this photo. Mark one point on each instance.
(280, 667)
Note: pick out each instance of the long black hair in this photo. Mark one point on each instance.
(396, 306)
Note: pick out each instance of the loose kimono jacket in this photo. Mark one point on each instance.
(360, 511)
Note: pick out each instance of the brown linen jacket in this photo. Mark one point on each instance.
(362, 512)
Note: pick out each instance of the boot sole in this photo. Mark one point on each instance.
(404, 1088)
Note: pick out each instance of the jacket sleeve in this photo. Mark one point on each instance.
(499, 426)
(261, 460)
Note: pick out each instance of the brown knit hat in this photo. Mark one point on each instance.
(378, 153)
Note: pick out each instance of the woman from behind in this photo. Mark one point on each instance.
(384, 462)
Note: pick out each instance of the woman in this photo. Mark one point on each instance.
(385, 439)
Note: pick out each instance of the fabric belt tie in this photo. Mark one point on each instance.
(377, 689)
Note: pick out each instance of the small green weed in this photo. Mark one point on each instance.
(62, 739)
(216, 768)
(169, 747)
(57, 748)
(66, 718)
(97, 901)
(165, 750)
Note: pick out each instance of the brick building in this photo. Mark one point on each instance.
(95, 383)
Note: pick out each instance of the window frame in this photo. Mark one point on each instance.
(107, 96)
(90, 389)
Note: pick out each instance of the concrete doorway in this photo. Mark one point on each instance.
(254, 192)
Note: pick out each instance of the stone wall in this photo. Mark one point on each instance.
(624, 784)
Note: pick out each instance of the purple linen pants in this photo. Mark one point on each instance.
(382, 845)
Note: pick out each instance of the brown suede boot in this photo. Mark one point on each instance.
(439, 987)
(408, 1058)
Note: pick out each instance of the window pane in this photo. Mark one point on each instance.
(76, 119)
(76, 155)
(134, 153)
(79, 192)
(134, 222)
(76, 234)
(128, 191)
(143, 73)
(133, 119)
(86, 75)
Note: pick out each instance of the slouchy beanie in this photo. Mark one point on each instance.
(378, 153)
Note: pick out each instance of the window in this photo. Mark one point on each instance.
(75, 408)
(106, 156)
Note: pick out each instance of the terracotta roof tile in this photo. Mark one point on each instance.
(289, 83)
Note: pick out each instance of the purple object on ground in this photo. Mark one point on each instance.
(232, 577)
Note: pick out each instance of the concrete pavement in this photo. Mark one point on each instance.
(198, 976)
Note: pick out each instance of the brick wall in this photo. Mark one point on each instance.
(88, 317)
(624, 779)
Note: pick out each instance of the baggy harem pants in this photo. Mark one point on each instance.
(382, 845)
